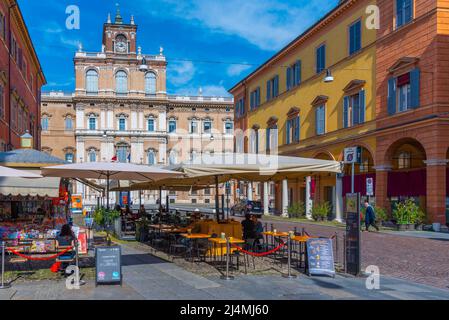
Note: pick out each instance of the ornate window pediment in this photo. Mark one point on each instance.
(151, 149)
(321, 99)
(193, 118)
(255, 127)
(173, 118)
(151, 116)
(294, 111)
(92, 149)
(272, 121)
(354, 85)
(403, 64)
(122, 115)
(92, 115)
(46, 115)
(68, 115)
(69, 150)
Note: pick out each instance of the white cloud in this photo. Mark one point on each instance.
(268, 24)
(237, 69)
(208, 91)
(180, 73)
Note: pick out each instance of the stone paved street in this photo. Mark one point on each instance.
(148, 277)
(409, 256)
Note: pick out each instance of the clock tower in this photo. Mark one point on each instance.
(119, 38)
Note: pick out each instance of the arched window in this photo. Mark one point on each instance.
(92, 81)
(151, 157)
(121, 82)
(404, 160)
(150, 83)
(92, 123)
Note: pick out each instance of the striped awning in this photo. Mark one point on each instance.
(41, 187)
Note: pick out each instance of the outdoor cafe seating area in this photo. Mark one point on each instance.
(196, 237)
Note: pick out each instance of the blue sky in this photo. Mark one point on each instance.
(208, 43)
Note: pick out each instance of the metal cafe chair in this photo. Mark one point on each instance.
(175, 245)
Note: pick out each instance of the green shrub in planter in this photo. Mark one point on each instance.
(408, 213)
(321, 211)
(297, 210)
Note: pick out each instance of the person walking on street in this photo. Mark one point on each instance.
(370, 216)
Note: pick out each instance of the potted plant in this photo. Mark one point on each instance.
(381, 215)
(407, 214)
(297, 210)
(320, 211)
(105, 218)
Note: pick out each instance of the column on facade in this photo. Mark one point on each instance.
(249, 191)
(338, 198)
(162, 121)
(308, 200)
(141, 125)
(103, 113)
(80, 124)
(436, 190)
(110, 118)
(265, 199)
(134, 120)
(382, 185)
(285, 198)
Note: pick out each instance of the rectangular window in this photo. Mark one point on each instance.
(320, 120)
(151, 125)
(354, 109)
(273, 88)
(207, 192)
(172, 126)
(207, 126)
(44, 124)
(92, 124)
(240, 107)
(255, 99)
(69, 157)
(122, 124)
(193, 127)
(404, 12)
(320, 58)
(292, 130)
(293, 75)
(229, 126)
(68, 123)
(355, 37)
(404, 92)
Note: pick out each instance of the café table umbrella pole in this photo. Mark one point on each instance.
(217, 204)
(289, 274)
(3, 285)
(227, 276)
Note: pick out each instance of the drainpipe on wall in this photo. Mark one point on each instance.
(9, 145)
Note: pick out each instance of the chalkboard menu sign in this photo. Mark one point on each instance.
(108, 265)
(320, 257)
(352, 253)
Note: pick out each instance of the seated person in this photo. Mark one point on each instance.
(249, 228)
(66, 238)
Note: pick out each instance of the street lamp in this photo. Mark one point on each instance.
(328, 78)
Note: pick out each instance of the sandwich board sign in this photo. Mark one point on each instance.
(320, 257)
(108, 265)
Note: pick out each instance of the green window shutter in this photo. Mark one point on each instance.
(391, 108)
(415, 88)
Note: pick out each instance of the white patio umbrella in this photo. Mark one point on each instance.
(109, 170)
(10, 173)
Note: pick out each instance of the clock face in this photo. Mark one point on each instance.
(120, 46)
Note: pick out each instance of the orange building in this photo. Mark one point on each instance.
(401, 70)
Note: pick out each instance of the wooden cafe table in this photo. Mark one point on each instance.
(219, 243)
(194, 237)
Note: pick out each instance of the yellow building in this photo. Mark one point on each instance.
(290, 106)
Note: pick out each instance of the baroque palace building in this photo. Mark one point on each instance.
(21, 79)
(350, 82)
(120, 110)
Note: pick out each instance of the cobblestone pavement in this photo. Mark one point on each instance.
(148, 277)
(412, 258)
